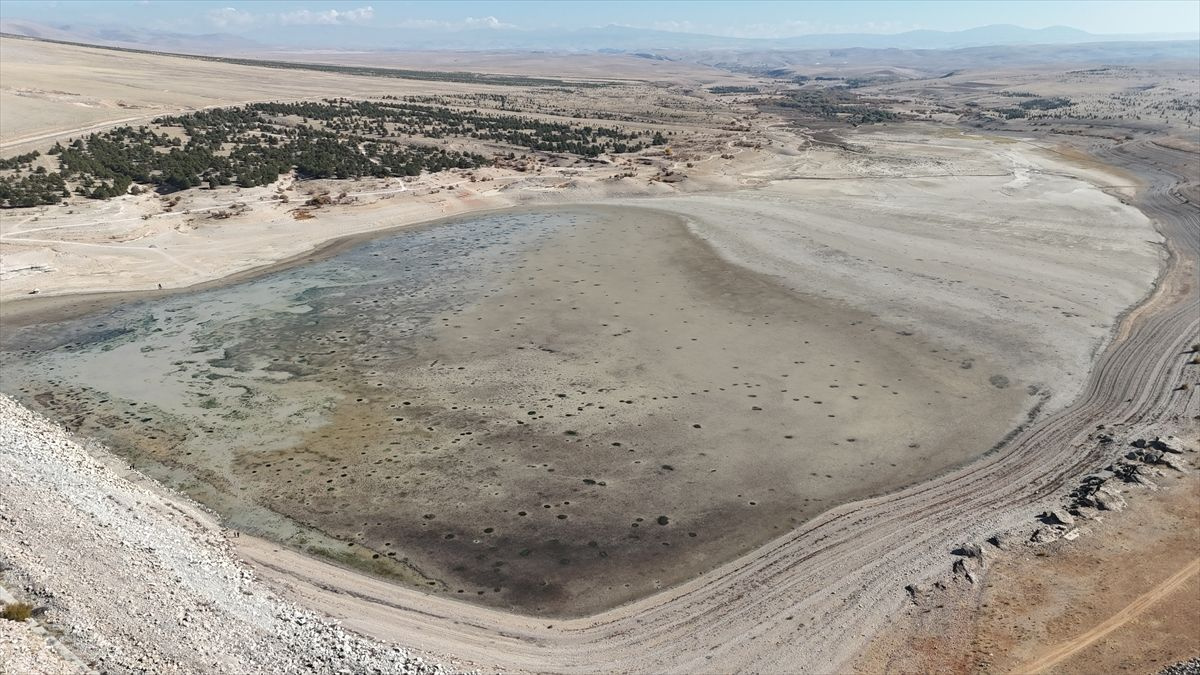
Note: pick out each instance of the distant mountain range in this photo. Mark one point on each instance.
(607, 38)
(625, 38)
(112, 36)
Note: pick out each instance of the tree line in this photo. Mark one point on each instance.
(254, 144)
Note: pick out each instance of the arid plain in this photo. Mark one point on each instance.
(623, 400)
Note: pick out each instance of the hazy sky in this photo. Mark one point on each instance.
(739, 19)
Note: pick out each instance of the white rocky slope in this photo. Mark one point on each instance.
(26, 649)
(136, 582)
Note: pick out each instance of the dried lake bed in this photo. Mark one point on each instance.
(554, 411)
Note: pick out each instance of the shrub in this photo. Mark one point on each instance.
(16, 611)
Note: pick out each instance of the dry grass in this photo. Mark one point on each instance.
(16, 611)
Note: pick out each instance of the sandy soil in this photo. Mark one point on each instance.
(53, 91)
(989, 247)
(144, 242)
(580, 65)
(1122, 597)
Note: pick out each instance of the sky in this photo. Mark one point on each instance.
(730, 18)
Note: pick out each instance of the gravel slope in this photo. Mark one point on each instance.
(139, 582)
(24, 651)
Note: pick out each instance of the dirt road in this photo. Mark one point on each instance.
(807, 602)
(1127, 614)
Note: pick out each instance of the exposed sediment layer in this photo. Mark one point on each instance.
(631, 402)
(806, 601)
(627, 409)
(809, 600)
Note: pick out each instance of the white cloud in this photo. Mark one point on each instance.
(781, 29)
(488, 22)
(229, 17)
(794, 28)
(329, 17)
(676, 26)
(424, 24)
(232, 18)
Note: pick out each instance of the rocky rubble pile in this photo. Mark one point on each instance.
(24, 652)
(967, 565)
(1100, 491)
(1189, 667)
(141, 582)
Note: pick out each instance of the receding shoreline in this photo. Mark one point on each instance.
(791, 420)
(349, 241)
(804, 573)
(56, 308)
(36, 309)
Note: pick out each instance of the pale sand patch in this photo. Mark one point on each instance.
(1002, 250)
(49, 89)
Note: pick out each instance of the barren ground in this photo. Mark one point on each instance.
(802, 304)
(997, 269)
(1123, 597)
